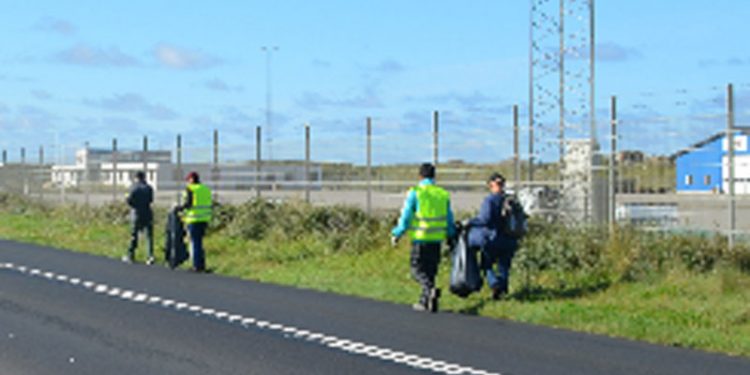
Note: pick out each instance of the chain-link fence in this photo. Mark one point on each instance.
(654, 170)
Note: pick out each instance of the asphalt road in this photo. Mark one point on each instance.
(69, 313)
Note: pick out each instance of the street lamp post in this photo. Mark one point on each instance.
(268, 50)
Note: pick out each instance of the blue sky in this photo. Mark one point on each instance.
(92, 70)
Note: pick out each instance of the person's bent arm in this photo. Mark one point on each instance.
(187, 202)
(130, 200)
(407, 212)
(484, 216)
(451, 223)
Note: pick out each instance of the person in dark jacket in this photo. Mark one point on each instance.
(486, 234)
(140, 198)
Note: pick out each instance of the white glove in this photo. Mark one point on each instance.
(394, 241)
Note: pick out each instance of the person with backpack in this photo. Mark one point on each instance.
(428, 219)
(496, 232)
(140, 198)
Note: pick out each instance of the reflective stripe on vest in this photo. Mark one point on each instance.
(430, 222)
(200, 212)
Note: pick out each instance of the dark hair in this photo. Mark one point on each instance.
(427, 170)
(496, 177)
(140, 175)
(194, 176)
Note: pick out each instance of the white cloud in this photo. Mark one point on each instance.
(134, 103)
(57, 26)
(390, 66)
(219, 85)
(174, 57)
(605, 52)
(82, 54)
(368, 98)
(320, 63)
(41, 94)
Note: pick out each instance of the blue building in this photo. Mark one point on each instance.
(703, 167)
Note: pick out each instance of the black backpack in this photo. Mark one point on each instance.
(514, 221)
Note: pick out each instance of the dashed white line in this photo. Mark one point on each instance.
(333, 342)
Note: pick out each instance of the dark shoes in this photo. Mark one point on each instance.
(200, 270)
(431, 304)
(498, 292)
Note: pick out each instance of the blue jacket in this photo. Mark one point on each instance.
(411, 205)
(485, 231)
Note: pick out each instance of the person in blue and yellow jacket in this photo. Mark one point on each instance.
(196, 213)
(428, 219)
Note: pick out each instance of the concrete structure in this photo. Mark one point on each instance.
(584, 188)
(703, 167)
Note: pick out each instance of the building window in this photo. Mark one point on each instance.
(707, 179)
(688, 179)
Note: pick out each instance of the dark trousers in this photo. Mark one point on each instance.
(136, 227)
(197, 231)
(425, 258)
(495, 265)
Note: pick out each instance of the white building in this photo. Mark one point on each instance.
(99, 167)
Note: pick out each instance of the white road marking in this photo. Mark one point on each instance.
(333, 342)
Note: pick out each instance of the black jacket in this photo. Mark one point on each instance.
(139, 199)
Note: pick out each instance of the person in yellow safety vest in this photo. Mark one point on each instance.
(428, 219)
(196, 213)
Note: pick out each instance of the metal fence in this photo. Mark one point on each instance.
(633, 175)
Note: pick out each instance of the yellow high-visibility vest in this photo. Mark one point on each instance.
(200, 212)
(430, 222)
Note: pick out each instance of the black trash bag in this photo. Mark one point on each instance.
(465, 277)
(175, 249)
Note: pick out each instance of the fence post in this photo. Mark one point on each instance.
(41, 173)
(25, 187)
(369, 165)
(516, 156)
(612, 166)
(257, 161)
(435, 138)
(115, 174)
(307, 163)
(61, 173)
(87, 197)
(178, 171)
(5, 157)
(215, 166)
(530, 171)
(144, 156)
(730, 149)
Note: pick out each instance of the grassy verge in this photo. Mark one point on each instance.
(677, 290)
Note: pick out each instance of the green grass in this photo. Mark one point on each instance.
(698, 300)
